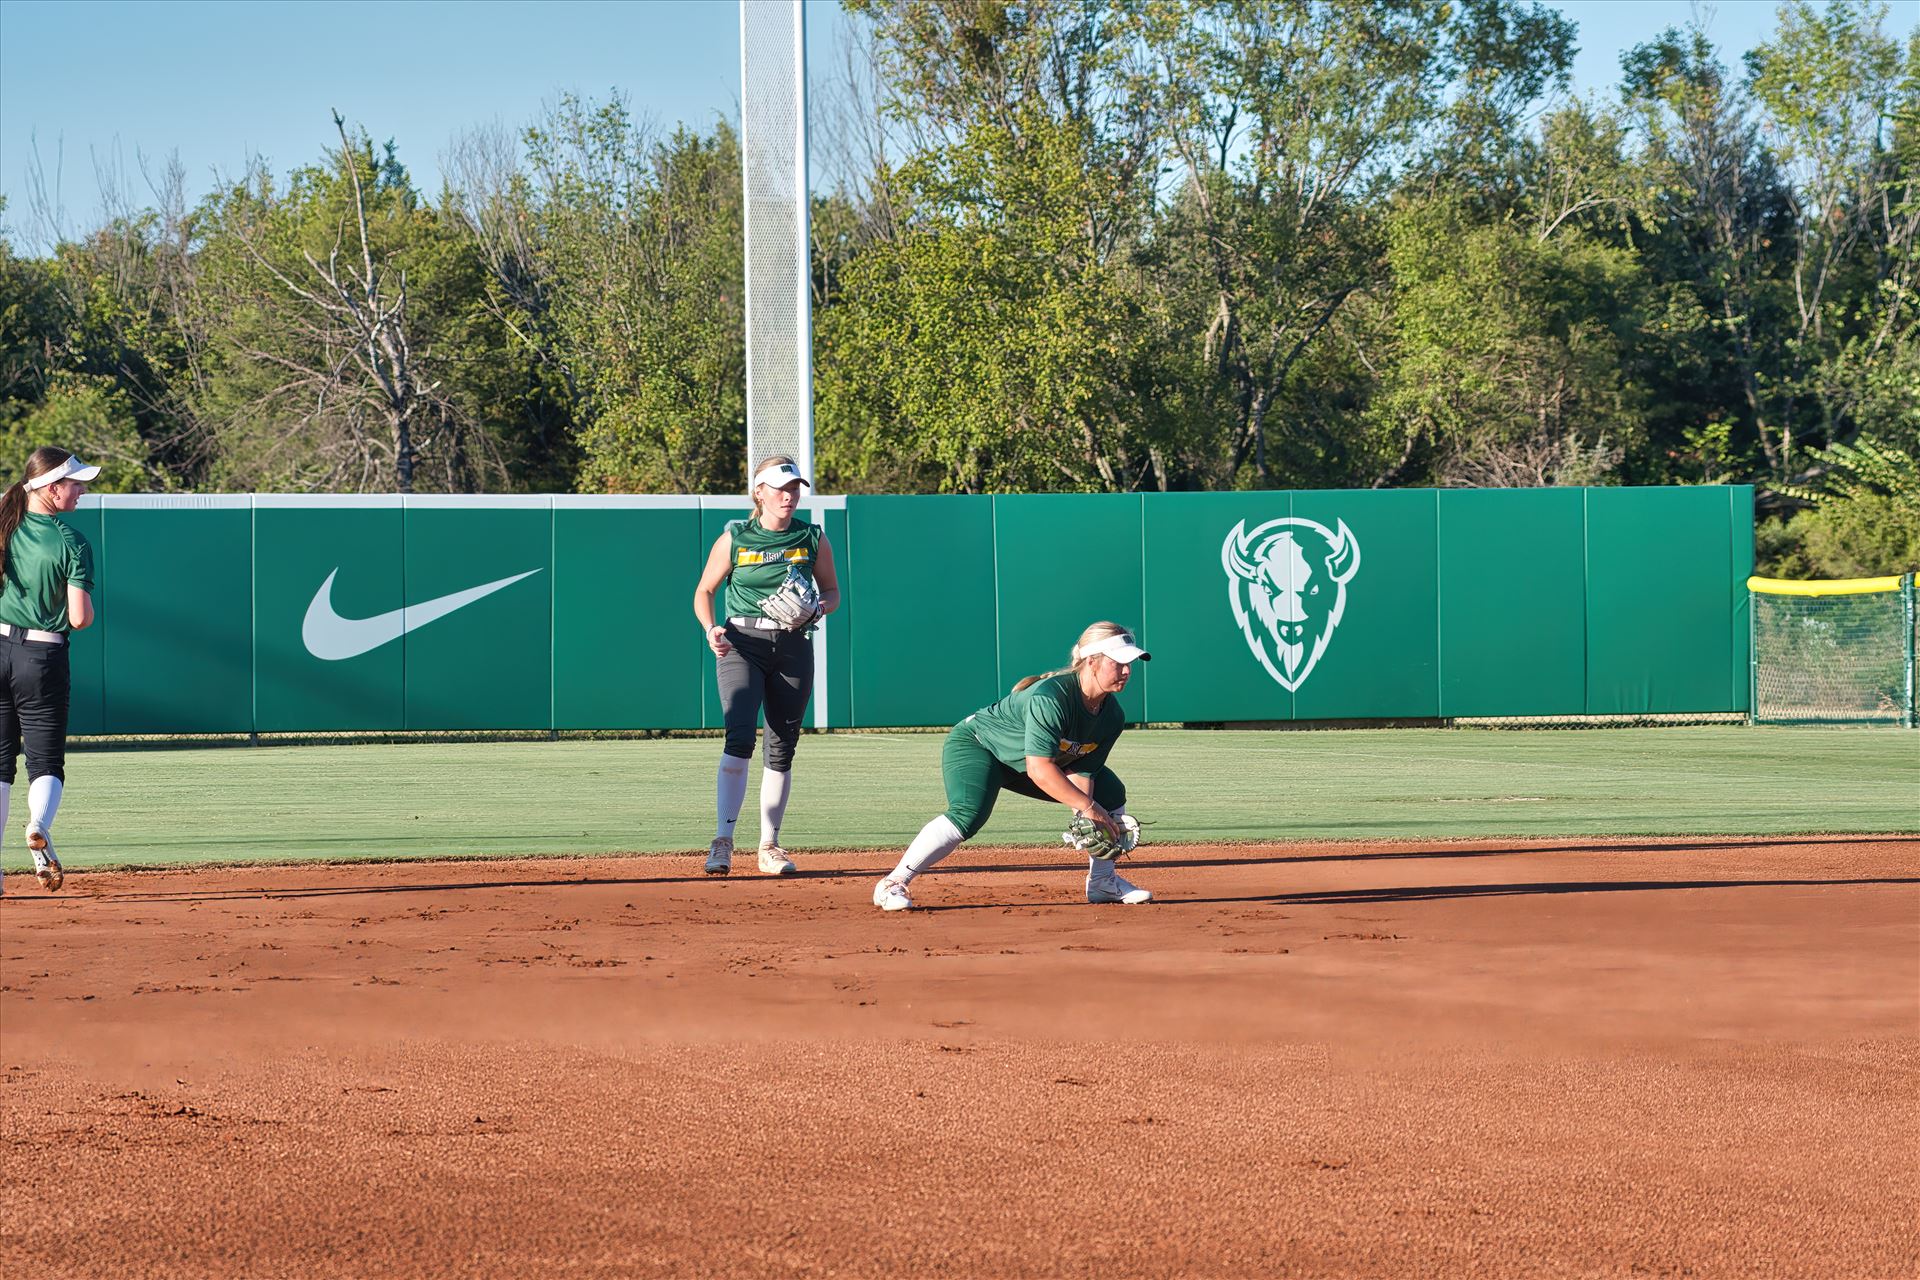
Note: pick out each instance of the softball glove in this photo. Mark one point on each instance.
(796, 604)
(1089, 836)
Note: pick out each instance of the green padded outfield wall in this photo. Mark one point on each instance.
(1045, 582)
(176, 610)
(280, 613)
(315, 559)
(86, 707)
(619, 574)
(1307, 605)
(924, 644)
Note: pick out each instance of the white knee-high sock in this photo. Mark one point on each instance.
(43, 801)
(774, 789)
(936, 840)
(729, 792)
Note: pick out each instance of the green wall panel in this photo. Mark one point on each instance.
(1659, 635)
(338, 564)
(838, 686)
(86, 707)
(1740, 568)
(1383, 658)
(1203, 665)
(487, 664)
(1066, 561)
(1513, 602)
(625, 640)
(179, 656)
(713, 522)
(924, 644)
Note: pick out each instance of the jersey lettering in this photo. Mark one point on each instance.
(797, 555)
(1075, 750)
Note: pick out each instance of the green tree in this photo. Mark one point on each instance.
(991, 346)
(1842, 105)
(1291, 122)
(95, 329)
(1718, 244)
(646, 322)
(336, 358)
(1512, 349)
(89, 415)
(31, 330)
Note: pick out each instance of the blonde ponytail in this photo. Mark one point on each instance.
(1091, 636)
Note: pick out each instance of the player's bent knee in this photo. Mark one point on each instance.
(966, 824)
(779, 751)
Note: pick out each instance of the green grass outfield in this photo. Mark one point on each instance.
(445, 799)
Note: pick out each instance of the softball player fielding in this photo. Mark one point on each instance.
(1049, 739)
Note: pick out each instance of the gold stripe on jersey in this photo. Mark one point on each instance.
(795, 555)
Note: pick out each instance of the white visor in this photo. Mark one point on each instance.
(780, 475)
(71, 469)
(1120, 648)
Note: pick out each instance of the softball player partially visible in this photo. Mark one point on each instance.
(764, 644)
(46, 593)
(1049, 739)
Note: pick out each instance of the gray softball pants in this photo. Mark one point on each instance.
(770, 671)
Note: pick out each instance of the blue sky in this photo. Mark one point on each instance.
(102, 81)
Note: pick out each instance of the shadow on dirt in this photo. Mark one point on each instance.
(1422, 893)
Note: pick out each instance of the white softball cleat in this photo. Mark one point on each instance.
(46, 865)
(1116, 888)
(719, 856)
(775, 862)
(891, 895)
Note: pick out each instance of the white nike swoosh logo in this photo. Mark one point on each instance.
(330, 637)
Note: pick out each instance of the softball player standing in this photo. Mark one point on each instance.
(46, 592)
(1049, 739)
(762, 663)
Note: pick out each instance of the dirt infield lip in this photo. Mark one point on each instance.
(1155, 855)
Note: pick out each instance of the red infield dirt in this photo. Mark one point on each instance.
(1556, 1058)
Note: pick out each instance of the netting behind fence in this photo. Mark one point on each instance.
(1837, 652)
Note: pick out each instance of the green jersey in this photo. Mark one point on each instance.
(1049, 718)
(761, 561)
(44, 558)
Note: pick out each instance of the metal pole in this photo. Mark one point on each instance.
(1753, 658)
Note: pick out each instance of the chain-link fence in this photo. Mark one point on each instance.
(1836, 652)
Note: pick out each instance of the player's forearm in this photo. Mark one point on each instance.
(703, 607)
(1049, 777)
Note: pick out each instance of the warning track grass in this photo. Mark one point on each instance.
(437, 799)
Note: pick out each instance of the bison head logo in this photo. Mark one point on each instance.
(1287, 580)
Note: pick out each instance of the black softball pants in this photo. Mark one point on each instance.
(35, 682)
(770, 670)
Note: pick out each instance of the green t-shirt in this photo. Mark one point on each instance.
(1050, 719)
(762, 560)
(43, 558)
